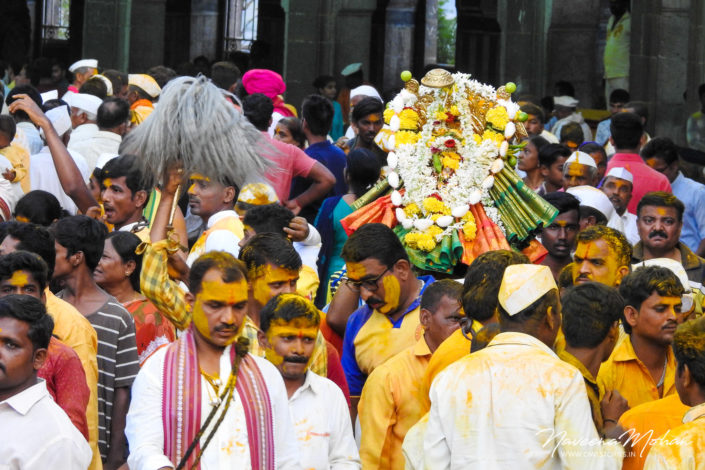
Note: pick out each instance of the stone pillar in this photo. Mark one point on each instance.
(147, 34)
(353, 29)
(659, 62)
(204, 28)
(106, 32)
(523, 46)
(431, 33)
(572, 49)
(477, 44)
(398, 41)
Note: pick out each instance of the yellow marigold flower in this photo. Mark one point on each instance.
(450, 162)
(433, 205)
(454, 110)
(468, 217)
(470, 230)
(405, 137)
(409, 119)
(388, 113)
(440, 116)
(498, 117)
(426, 243)
(411, 210)
(477, 139)
(492, 135)
(433, 231)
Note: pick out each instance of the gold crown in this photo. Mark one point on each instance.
(437, 78)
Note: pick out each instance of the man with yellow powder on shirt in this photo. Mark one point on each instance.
(318, 409)
(684, 447)
(642, 366)
(389, 405)
(515, 404)
(208, 370)
(378, 268)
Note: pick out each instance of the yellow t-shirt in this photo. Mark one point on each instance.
(389, 407)
(19, 157)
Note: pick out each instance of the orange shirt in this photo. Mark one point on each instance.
(647, 422)
(685, 445)
(623, 371)
(389, 406)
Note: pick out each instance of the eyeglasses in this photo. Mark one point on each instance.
(369, 284)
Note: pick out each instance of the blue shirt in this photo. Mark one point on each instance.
(692, 194)
(353, 369)
(332, 158)
(603, 132)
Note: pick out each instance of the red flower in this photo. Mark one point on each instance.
(450, 143)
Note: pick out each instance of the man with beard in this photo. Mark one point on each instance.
(618, 187)
(642, 367)
(378, 268)
(659, 222)
(367, 119)
(602, 255)
(318, 409)
(180, 385)
(559, 237)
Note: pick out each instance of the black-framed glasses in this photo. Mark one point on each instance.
(369, 284)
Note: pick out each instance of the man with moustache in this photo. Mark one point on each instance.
(378, 268)
(602, 254)
(318, 409)
(659, 222)
(642, 367)
(204, 372)
(559, 236)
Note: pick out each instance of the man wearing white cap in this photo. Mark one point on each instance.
(565, 111)
(618, 186)
(142, 91)
(84, 113)
(595, 208)
(488, 413)
(82, 70)
(112, 119)
(356, 95)
(579, 170)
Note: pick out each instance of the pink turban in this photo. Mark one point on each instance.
(263, 81)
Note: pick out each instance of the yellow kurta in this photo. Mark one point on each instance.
(77, 332)
(308, 282)
(623, 371)
(591, 387)
(685, 446)
(389, 407)
(647, 422)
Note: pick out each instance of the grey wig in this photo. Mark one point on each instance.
(195, 126)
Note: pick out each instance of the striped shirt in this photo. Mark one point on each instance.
(118, 362)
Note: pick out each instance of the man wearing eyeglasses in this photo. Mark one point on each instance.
(379, 269)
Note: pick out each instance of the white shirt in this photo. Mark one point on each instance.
(43, 175)
(9, 192)
(101, 142)
(218, 240)
(514, 405)
(322, 423)
(82, 133)
(630, 230)
(229, 447)
(28, 137)
(36, 434)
